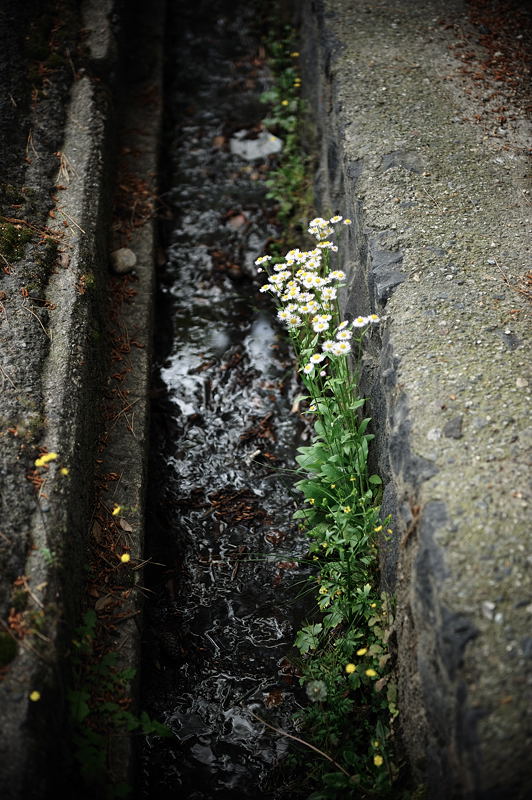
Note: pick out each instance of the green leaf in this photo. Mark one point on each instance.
(363, 425)
(375, 480)
(79, 708)
(307, 638)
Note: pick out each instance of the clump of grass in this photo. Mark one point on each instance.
(100, 710)
(344, 654)
(288, 182)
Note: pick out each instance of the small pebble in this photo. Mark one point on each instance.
(123, 260)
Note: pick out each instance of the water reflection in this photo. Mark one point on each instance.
(224, 608)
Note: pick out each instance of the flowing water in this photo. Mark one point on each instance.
(226, 601)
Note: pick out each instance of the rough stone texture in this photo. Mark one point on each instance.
(439, 246)
(50, 358)
(59, 168)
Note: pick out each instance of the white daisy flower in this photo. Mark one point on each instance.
(359, 322)
(308, 369)
(318, 327)
(317, 358)
(291, 294)
(328, 345)
(344, 336)
(283, 315)
(262, 260)
(266, 288)
(374, 318)
(337, 275)
(342, 325)
(323, 233)
(294, 321)
(335, 219)
(341, 348)
(347, 221)
(328, 293)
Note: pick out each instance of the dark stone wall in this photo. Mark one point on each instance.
(450, 662)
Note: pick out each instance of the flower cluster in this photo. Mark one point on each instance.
(305, 289)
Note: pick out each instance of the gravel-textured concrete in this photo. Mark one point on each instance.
(54, 302)
(440, 246)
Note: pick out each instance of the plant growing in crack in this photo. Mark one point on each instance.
(344, 655)
(100, 710)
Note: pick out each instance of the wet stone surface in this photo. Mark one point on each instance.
(225, 607)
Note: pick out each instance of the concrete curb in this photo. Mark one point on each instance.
(439, 213)
(126, 449)
(57, 530)
(67, 384)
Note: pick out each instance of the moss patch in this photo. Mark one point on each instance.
(13, 239)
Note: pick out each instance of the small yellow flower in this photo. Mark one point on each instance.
(389, 530)
(315, 558)
(362, 651)
(378, 761)
(373, 605)
(44, 459)
(311, 501)
(347, 509)
(64, 470)
(35, 696)
(284, 102)
(325, 544)
(376, 743)
(333, 486)
(371, 673)
(349, 668)
(125, 558)
(116, 510)
(323, 590)
(378, 529)
(295, 54)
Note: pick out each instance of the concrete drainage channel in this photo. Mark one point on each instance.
(438, 197)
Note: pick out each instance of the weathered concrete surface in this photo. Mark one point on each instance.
(435, 183)
(51, 313)
(60, 133)
(126, 446)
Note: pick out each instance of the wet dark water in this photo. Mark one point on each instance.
(224, 610)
